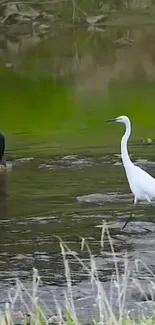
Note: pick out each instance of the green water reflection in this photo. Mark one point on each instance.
(56, 95)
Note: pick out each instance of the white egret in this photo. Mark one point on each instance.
(141, 183)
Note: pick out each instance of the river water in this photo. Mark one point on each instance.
(49, 193)
(70, 196)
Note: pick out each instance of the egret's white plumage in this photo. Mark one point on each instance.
(141, 183)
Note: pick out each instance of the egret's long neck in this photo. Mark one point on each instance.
(124, 149)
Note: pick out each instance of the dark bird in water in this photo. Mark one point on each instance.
(4, 166)
(2, 149)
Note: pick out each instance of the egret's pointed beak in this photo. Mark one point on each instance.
(112, 120)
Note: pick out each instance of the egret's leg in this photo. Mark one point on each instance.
(152, 206)
(127, 221)
(131, 215)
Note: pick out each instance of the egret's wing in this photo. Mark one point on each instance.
(144, 181)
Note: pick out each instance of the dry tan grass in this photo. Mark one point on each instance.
(35, 314)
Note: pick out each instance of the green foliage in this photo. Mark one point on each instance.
(69, 319)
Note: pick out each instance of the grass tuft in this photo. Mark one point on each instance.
(33, 312)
